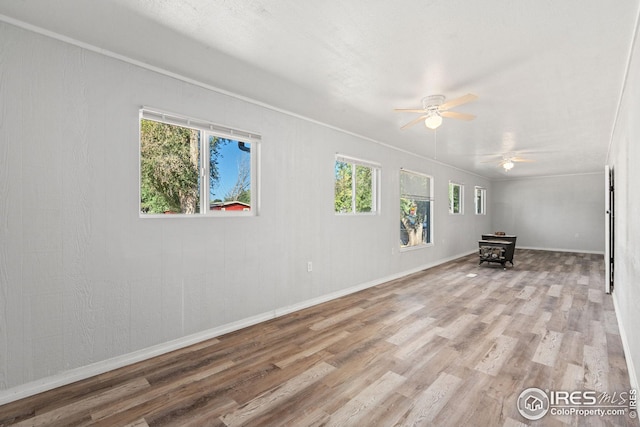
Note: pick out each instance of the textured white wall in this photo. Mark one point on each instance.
(84, 280)
(624, 159)
(554, 213)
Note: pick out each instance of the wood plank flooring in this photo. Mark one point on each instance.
(437, 348)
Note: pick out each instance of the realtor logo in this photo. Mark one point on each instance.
(533, 403)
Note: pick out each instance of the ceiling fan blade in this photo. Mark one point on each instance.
(458, 101)
(410, 110)
(456, 115)
(413, 122)
(520, 159)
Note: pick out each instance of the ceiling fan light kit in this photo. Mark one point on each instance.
(508, 162)
(508, 165)
(433, 121)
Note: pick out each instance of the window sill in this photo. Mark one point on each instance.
(179, 215)
(415, 248)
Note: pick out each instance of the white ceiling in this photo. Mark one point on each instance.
(548, 73)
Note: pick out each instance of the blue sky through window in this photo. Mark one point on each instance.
(230, 159)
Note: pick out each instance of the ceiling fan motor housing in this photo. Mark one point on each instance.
(432, 102)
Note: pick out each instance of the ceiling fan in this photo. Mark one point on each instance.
(507, 163)
(434, 109)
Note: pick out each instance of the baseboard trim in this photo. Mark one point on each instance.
(88, 371)
(633, 378)
(347, 291)
(578, 251)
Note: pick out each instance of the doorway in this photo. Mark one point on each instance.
(609, 201)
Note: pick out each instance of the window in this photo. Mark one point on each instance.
(416, 207)
(456, 196)
(356, 186)
(481, 201)
(191, 167)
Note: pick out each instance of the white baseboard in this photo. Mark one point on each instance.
(343, 292)
(88, 371)
(84, 372)
(578, 251)
(633, 377)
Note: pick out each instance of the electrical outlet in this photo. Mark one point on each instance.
(309, 266)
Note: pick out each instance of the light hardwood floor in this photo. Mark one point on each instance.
(437, 348)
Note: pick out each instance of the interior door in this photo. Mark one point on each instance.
(609, 234)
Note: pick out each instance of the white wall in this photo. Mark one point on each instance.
(86, 285)
(624, 159)
(563, 213)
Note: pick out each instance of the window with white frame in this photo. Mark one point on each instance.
(416, 209)
(456, 197)
(481, 200)
(193, 167)
(356, 186)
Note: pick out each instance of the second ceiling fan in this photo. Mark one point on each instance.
(434, 108)
(508, 161)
